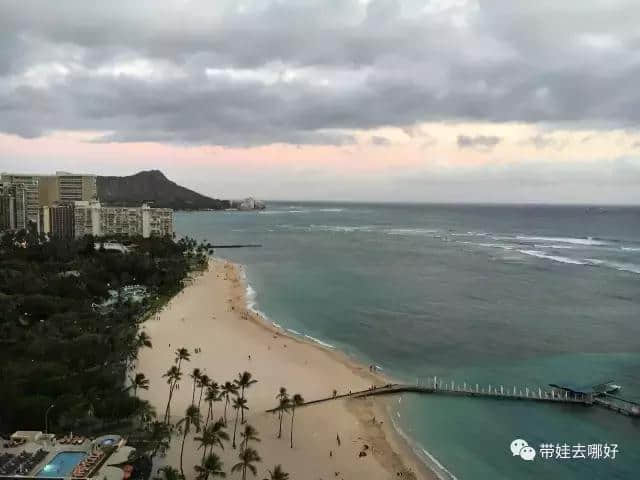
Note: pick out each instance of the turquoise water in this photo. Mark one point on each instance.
(521, 296)
(62, 464)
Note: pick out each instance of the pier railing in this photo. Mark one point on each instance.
(433, 385)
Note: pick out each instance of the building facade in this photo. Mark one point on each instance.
(74, 188)
(7, 211)
(62, 220)
(30, 198)
(91, 218)
(13, 201)
(45, 191)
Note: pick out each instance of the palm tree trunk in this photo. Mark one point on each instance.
(209, 413)
(281, 413)
(226, 402)
(200, 399)
(193, 394)
(242, 413)
(293, 414)
(204, 454)
(244, 472)
(234, 430)
(167, 411)
(184, 437)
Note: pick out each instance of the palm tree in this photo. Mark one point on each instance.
(277, 474)
(283, 406)
(212, 395)
(196, 377)
(143, 340)
(211, 436)
(182, 354)
(296, 401)
(169, 473)
(244, 381)
(173, 376)
(228, 389)
(146, 412)
(139, 381)
(211, 466)
(159, 436)
(239, 403)
(204, 382)
(191, 418)
(247, 457)
(249, 434)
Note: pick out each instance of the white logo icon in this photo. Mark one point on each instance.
(522, 449)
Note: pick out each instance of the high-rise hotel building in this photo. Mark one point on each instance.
(41, 192)
(92, 218)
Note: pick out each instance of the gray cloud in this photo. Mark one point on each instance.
(541, 142)
(300, 71)
(479, 142)
(380, 141)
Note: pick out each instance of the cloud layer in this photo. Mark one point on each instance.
(238, 73)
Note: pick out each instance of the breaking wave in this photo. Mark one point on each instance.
(411, 231)
(620, 266)
(574, 241)
(555, 258)
(319, 342)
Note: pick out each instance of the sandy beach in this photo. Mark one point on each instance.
(211, 315)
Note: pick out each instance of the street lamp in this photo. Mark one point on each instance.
(46, 418)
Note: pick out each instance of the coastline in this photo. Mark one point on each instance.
(213, 314)
(386, 434)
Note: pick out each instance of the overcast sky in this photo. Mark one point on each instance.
(386, 100)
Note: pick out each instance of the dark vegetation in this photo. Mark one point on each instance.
(58, 347)
(153, 187)
(67, 350)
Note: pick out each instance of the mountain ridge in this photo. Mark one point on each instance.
(153, 187)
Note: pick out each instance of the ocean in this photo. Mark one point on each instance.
(520, 296)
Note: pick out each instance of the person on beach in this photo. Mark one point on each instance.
(338, 438)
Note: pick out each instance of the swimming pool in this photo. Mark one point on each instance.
(62, 464)
(107, 440)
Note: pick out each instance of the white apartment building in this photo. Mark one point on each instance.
(91, 218)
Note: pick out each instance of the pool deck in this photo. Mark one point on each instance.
(55, 447)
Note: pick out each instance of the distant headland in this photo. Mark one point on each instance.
(152, 186)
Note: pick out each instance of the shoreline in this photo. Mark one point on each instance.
(208, 314)
(392, 439)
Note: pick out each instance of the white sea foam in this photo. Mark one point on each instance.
(468, 234)
(277, 325)
(490, 245)
(411, 231)
(630, 249)
(330, 210)
(341, 228)
(621, 266)
(555, 247)
(251, 297)
(281, 212)
(295, 332)
(555, 258)
(319, 342)
(575, 241)
(428, 459)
